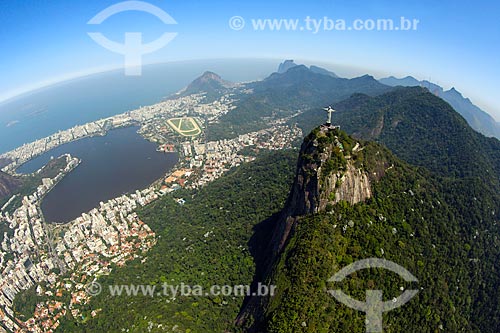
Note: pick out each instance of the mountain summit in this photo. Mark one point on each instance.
(353, 200)
(210, 84)
(288, 64)
(477, 118)
(328, 171)
(285, 66)
(332, 169)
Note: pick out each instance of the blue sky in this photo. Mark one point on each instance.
(457, 43)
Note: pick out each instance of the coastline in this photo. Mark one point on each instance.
(140, 116)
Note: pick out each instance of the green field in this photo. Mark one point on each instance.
(186, 126)
(176, 122)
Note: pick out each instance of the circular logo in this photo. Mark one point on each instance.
(94, 288)
(237, 23)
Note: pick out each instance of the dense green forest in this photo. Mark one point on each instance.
(426, 224)
(203, 242)
(442, 229)
(440, 221)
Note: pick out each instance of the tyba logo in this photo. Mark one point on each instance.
(133, 49)
(373, 306)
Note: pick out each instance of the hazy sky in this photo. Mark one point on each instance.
(457, 42)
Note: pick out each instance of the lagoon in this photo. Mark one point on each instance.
(120, 162)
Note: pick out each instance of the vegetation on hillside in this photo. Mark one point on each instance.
(282, 95)
(30, 182)
(203, 242)
(419, 128)
(427, 225)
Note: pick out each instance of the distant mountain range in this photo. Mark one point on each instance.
(477, 118)
(295, 86)
(287, 64)
(302, 86)
(282, 94)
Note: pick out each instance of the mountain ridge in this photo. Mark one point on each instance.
(288, 64)
(480, 120)
(285, 66)
(285, 94)
(408, 216)
(408, 120)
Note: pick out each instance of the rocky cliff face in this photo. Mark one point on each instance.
(285, 66)
(330, 169)
(327, 173)
(354, 187)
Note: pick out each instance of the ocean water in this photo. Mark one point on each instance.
(62, 106)
(122, 161)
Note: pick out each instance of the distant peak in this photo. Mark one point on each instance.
(211, 76)
(407, 81)
(209, 82)
(454, 92)
(286, 65)
(365, 77)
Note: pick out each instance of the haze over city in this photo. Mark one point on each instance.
(454, 46)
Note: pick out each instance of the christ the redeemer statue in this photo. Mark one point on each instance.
(330, 110)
